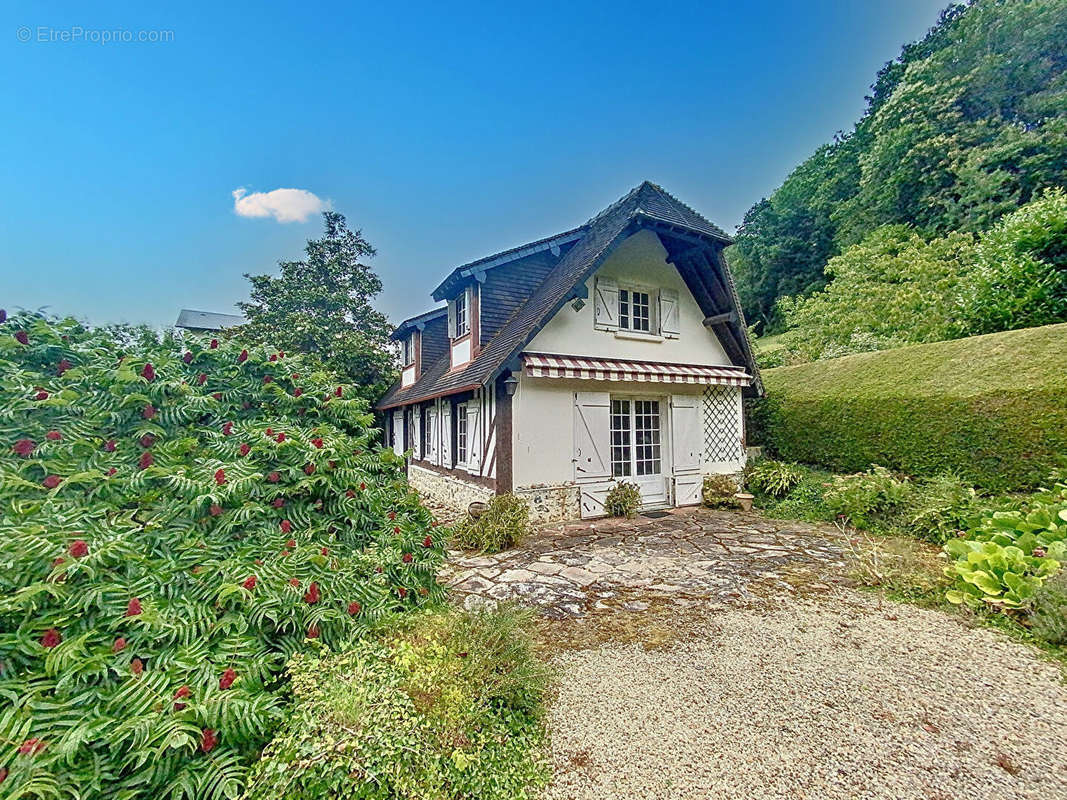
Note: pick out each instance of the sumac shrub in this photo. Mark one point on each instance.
(177, 521)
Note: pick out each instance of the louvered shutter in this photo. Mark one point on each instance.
(416, 432)
(398, 431)
(606, 304)
(433, 447)
(474, 437)
(451, 319)
(668, 313)
(446, 434)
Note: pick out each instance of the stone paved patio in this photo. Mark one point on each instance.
(690, 556)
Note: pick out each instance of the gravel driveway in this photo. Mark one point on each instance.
(827, 697)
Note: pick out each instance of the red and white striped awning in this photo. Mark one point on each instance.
(541, 365)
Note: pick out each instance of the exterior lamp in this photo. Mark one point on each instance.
(511, 383)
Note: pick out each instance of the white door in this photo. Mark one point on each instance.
(636, 432)
(687, 443)
(592, 468)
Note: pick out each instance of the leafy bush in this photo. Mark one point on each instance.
(989, 409)
(502, 525)
(1004, 559)
(447, 707)
(623, 500)
(177, 523)
(718, 491)
(867, 496)
(1048, 614)
(941, 507)
(775, 478)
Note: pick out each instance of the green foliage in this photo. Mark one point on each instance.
(623, 500)
(893, 288)
(1020, 277)
(868, 496)
(774, 478)
(941, 507)
(988, 408)
(1048, 613)
(321, 306)
(1006, 556)
(170, 514)
(448, 707)
(501, 526)
(966, 125)
(718, 491)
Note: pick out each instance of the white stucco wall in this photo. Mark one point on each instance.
(639, 260)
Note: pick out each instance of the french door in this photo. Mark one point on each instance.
(636, 446)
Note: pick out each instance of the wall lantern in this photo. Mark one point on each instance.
(511, 383)
(578, 304)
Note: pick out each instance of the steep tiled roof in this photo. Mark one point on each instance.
(419, 319)
(646, 203)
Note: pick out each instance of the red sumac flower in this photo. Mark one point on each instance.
(273, 357)
(309, 469)
(286, 526)
(400, 590)
(146, 460)
(208, 739)
(51, 482)
(214, 344)
(201, 379)
(284, 553)
(21, 337)
(53, 436)
(149, 412)
(427, 542)
(109, 445)
(391, 515)
(137, 666)
(133, 608)
(227, 429)
(406, 558)
(78, 548)
(312, 595)
(396, 529)
(297, 392)
(267, 379)
(313, 632)
(148, 373)
(227, 679)
(270, 431)
(339, 391)
(354, 608)
(317, 442)
(245, 449)
(112, 471)
(250, 582)
(220, 476)
(24, 447)
(217, 396)
(119, 645)
(362, 486)
(278, 502)
(181, 693)
(294, 583)
(215, 510)
(148, 440)
(281, 438)
(324, 551)
(51, 638)
(188, 357)
(42, 395)
(291, 543)
(63, 366)
(31, 747)
(350, 493)
(423, 591)
(243, 357)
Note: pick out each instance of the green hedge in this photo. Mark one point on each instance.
(991, 408)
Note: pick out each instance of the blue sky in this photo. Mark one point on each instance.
(445, 131)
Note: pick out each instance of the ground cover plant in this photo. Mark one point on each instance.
(503, 524)
(176, 521)
(623, 500)
(988, 408)
(442, 705)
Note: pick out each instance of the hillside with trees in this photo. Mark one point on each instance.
(966, 126)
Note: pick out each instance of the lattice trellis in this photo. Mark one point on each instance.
(722, 424)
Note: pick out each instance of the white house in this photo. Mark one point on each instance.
(615, 351)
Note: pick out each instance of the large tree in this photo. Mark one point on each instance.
(322, 306)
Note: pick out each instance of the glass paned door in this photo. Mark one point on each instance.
(636, 447)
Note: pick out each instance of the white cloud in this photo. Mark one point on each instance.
(285, 205)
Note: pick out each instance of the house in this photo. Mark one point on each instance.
(201, 321)
(615, 351)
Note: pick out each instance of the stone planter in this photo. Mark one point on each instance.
(744, 499)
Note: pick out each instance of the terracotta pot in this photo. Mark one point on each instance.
(476, 509)
(744, 499)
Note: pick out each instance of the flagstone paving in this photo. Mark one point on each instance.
(690, 556)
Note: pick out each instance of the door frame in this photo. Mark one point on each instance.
(662, 497)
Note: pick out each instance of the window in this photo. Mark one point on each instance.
(463, 326)
(635, 310)
(635, 438)
(407, 350)
(461, 433)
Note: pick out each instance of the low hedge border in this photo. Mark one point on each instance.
(992, 409)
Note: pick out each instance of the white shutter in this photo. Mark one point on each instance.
(446, 434)
(591, 498)
(451, 319)
(686, 437)
(474, 438)
(668, 313)
(398, 431)
(416, 431)
(687, 489)
(433, 447)
(606, 304)
(592, 436)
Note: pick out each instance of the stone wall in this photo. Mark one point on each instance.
(447, 490)
(551, 503)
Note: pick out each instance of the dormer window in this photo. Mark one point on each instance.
(407, 351)
(463, 323)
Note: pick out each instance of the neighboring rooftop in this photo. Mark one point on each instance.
(418, 321)
(207, 320)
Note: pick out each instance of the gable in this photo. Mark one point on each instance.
(640, 261)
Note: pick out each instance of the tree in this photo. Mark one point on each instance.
(322, 306)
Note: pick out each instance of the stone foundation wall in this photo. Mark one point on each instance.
(552, 503)
(447, 490)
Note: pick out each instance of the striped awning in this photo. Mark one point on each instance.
(542, 365)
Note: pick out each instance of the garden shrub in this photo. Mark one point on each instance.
(448, 706)
(1048, 615)
(502, 525)
(774, 478)
(177, 523)
(718, 491)
(1003, 560)
(989, 409)
(941, 507)
(866, 497)
(623, 500)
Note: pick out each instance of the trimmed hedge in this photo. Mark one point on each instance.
(992, 409)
